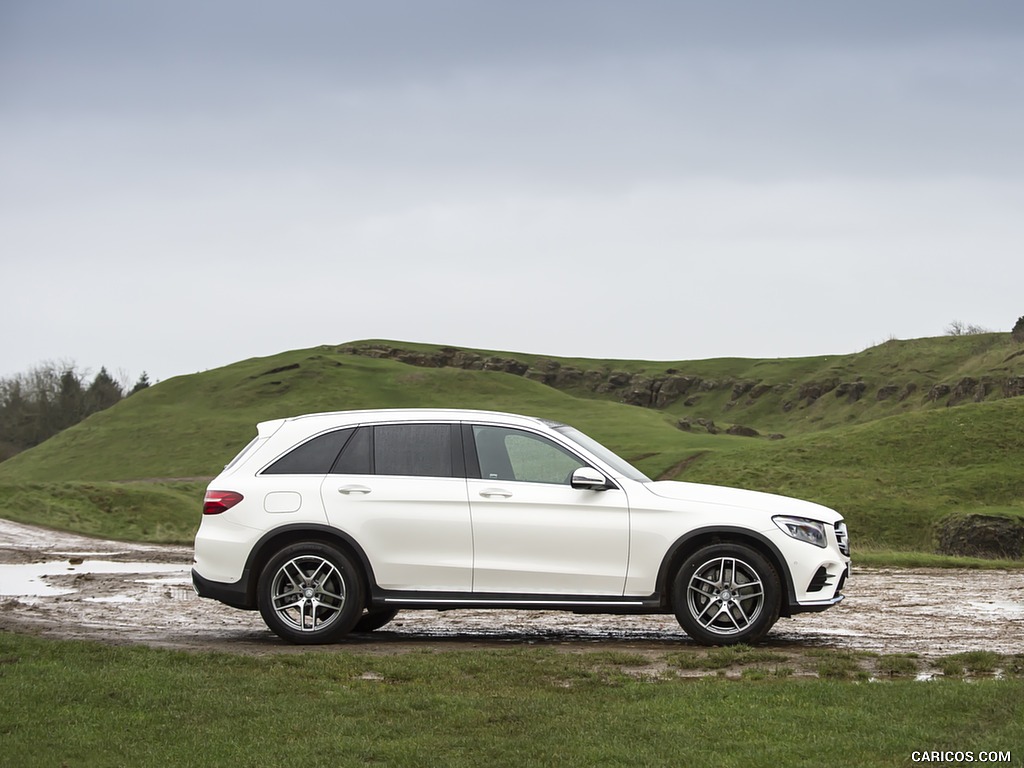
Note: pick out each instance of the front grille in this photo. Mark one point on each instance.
(843, 538)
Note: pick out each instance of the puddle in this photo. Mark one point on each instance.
(1006, 609)
(50, 579)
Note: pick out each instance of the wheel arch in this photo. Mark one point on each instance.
(273, 541)
(690, 542)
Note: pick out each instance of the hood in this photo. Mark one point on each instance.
(737, 498)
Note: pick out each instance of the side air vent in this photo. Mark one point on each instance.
(820, 580)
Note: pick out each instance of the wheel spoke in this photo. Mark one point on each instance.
(746, 619)
(287, 606)
(709, 582)
(333, 596)
(710, 604)
(287, 569)
(312, 577)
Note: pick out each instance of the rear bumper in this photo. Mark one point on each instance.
(234, 594)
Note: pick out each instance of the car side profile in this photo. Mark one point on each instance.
(331, 523)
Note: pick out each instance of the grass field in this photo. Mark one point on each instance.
(81, 704)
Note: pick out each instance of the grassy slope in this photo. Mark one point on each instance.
(892, 477)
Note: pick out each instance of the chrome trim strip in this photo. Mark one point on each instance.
(448, 601)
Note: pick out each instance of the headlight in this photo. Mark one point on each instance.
(803, 529)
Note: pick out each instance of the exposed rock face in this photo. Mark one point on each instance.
(741, 431)
(884, 393)
(1013, 387)
(980, 535)
(758, 390)
(740, 388)
(812, 390)
(852, 391)
(907, 391)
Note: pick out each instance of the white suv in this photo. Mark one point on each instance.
(330, 523)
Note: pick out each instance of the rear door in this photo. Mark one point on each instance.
(400, 491)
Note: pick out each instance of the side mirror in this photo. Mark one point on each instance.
(588, 478)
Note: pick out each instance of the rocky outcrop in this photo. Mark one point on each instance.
(812, 390)
(741, 431)
(889, 390)
(979, 535)
(1013, 386)
(852, 391)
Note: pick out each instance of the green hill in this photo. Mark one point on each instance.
(897, 436)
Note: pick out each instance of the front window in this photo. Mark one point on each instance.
(511, 454)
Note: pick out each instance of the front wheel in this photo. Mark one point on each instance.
(310, 593)
(726, 594)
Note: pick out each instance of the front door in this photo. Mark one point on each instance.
(533, 533)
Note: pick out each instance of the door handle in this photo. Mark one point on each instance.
(490, 493)
(348, 490)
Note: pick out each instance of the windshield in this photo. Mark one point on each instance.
(617, 463)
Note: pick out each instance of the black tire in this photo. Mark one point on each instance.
(310, 593)
(726, 594)
(374, 619)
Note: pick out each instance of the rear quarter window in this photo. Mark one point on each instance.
(313, 457)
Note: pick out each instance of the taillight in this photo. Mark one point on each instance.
(219, 501)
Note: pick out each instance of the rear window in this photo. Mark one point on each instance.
(423, 450)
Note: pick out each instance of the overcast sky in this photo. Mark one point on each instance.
(187, 184)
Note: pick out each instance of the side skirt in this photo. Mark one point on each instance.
(574, 603)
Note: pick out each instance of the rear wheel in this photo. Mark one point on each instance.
(310, 593)
(725, 594)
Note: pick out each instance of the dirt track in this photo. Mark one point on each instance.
(61, 585)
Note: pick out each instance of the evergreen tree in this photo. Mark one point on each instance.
(70, 399)
(142, 383)
(102, 393)
(1018, 330)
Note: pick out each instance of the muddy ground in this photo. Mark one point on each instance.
(61, 585)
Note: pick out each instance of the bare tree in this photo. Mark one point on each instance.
(47, 399)
(960, 328)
